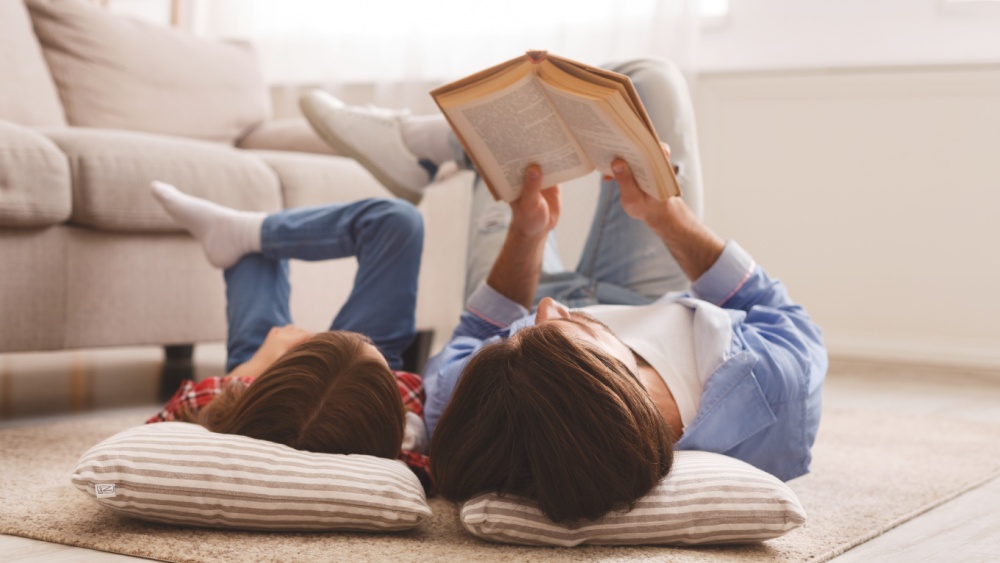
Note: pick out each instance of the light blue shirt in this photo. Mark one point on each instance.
(761, 405)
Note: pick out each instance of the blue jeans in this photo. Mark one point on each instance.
(386, 238)
(623, 261)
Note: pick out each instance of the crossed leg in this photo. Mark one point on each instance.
(384, 235)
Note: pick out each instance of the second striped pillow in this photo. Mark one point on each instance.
(706, 498)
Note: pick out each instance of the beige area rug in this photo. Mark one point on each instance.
(871, 472)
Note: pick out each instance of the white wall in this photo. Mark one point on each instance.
(852, 145)
(810, 34)
(874, 195)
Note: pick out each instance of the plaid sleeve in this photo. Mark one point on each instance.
(411, 388)
(420, 465)
(194, 396)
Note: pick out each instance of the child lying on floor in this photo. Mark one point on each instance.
(339, 391)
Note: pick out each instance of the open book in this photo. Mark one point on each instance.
(567, 117)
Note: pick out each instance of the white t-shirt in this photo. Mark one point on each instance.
(663, 333)
(415, 434)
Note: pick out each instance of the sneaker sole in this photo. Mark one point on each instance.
(345, 149)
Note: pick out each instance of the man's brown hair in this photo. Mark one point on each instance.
(326, 395)
(547, 417)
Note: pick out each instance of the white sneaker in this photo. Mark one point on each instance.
(371, 136)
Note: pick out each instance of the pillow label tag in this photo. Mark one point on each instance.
(104, 490)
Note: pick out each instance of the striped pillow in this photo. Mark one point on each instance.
(705, 499)
(180, 473)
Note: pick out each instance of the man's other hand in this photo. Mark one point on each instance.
(692, 244)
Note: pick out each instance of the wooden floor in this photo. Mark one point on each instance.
(966, 529)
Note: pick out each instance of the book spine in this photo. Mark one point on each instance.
(537, 56)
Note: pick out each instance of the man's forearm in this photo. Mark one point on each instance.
(690, 242)
(519, 263)
(517, 267)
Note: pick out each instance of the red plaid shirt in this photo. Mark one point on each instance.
(196, 395)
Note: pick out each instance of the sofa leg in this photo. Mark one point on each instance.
(178, 365)
(416, 355)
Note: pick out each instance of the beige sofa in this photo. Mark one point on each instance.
(92, 108)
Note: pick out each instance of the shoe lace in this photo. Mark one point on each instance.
(445, 171)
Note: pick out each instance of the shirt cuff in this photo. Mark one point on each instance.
(489, 305)
(726, 276)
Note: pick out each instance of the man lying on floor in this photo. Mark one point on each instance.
(580, 409)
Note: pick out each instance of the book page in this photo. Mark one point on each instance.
(602, 138)
(613, 99)
(605, 78)
(508, 130)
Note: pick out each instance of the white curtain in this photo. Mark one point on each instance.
(434, 41)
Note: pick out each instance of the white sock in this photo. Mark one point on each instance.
(226, 234)
(427, 137)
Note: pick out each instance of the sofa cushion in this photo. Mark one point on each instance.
(112, 171)
(34, 179)
(27, 94)
(118, 73)
(309, 179)
(290, 134)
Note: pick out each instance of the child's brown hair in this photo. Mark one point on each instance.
(326, 395)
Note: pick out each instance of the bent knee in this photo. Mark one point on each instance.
(399, 216)
(654, 71)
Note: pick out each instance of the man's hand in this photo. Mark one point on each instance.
(536, 212)
(692, 244)
(658, 215)
(519, 263)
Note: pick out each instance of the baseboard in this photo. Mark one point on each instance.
(964, 352)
